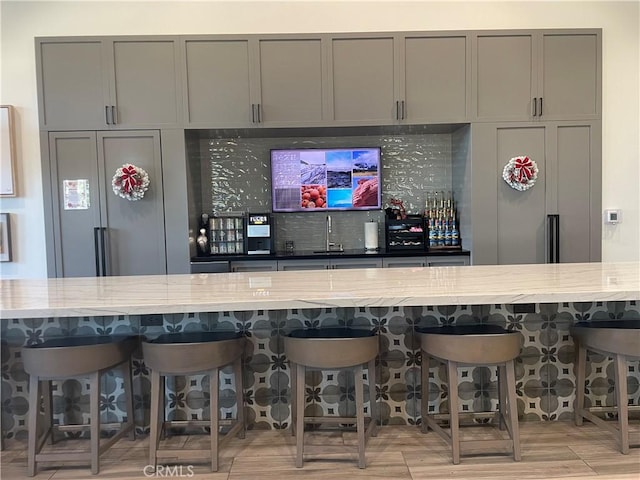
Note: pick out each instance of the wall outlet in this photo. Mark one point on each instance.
(524, 308)
(151, 320)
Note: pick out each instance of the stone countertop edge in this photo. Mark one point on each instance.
(402, 287)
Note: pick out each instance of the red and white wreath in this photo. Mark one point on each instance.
(520, 173)
(130, 182)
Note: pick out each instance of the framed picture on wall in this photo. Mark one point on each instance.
(5, 238)
(7, 152)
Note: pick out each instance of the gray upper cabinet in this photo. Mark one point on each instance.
(364, 89)
(146, 84)
(73, 84)
(569, 80)
(218, 87)
(250, 82)
(434, 78)
(291, 82)
(105, 83)
(528, 75)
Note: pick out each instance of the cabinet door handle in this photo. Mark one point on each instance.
(96, 246)
(553, 237)
(106, 114)
(114, 115)
(104, 252)
(397, 110)
(534, 106)
(540, 112)
(253, 113)
(259, 114)
(402, 110)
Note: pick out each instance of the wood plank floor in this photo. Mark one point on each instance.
(550, 450)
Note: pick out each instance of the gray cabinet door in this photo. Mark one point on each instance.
(509, 226)
(448, 261)
(291, 81)
(348, 263)
(73, 163)
(145, 88)
(254, 266)
(436, 69)
(135, 241)
(363, 80)
(504, 80)
(575, 162)
(73, 84)
(312, 264)
(403, 262)
(217, 81)
(128, 235)
(569, 80)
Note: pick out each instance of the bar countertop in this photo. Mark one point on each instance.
(474, 285)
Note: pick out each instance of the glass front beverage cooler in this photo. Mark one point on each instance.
(227, 235)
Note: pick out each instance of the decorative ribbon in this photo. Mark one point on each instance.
(523, 170)
(130, 178)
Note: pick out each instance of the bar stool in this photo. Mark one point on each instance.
(619, 339)
(189, 354)
(332, 348)
(472, 345)
(75, 357)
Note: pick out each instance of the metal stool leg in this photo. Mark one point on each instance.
(362, 462)
(300, 414)
(294, 375)
(156, 423)
(94, 401)
(424, 400)
(452, 370)
(34, 412)
(513, 409)
(622, 402)
(502, 396)
(215, 413)
(127, 381)
(237, 372)
(581, 366)
(373, 401)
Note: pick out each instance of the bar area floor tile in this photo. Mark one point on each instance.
(550, 451)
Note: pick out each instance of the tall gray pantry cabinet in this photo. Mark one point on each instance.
(111, 235)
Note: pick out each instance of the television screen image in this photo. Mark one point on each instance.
(309, 179)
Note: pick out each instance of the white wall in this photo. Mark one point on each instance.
(21, 21)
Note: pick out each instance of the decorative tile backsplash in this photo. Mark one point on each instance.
(544, 370)
(231, 173)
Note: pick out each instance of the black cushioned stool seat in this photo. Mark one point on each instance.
(332, 348)
(478, 344)
(75, 357)
(188, 354)
(619, 339)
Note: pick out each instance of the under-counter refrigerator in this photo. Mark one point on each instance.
(96, 232)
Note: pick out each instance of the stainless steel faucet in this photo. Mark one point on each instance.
(329, 244)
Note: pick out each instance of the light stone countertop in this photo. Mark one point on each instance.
(469, 285)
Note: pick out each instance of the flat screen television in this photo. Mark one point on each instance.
(325, 179)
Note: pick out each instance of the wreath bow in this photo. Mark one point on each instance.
(129, 179)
